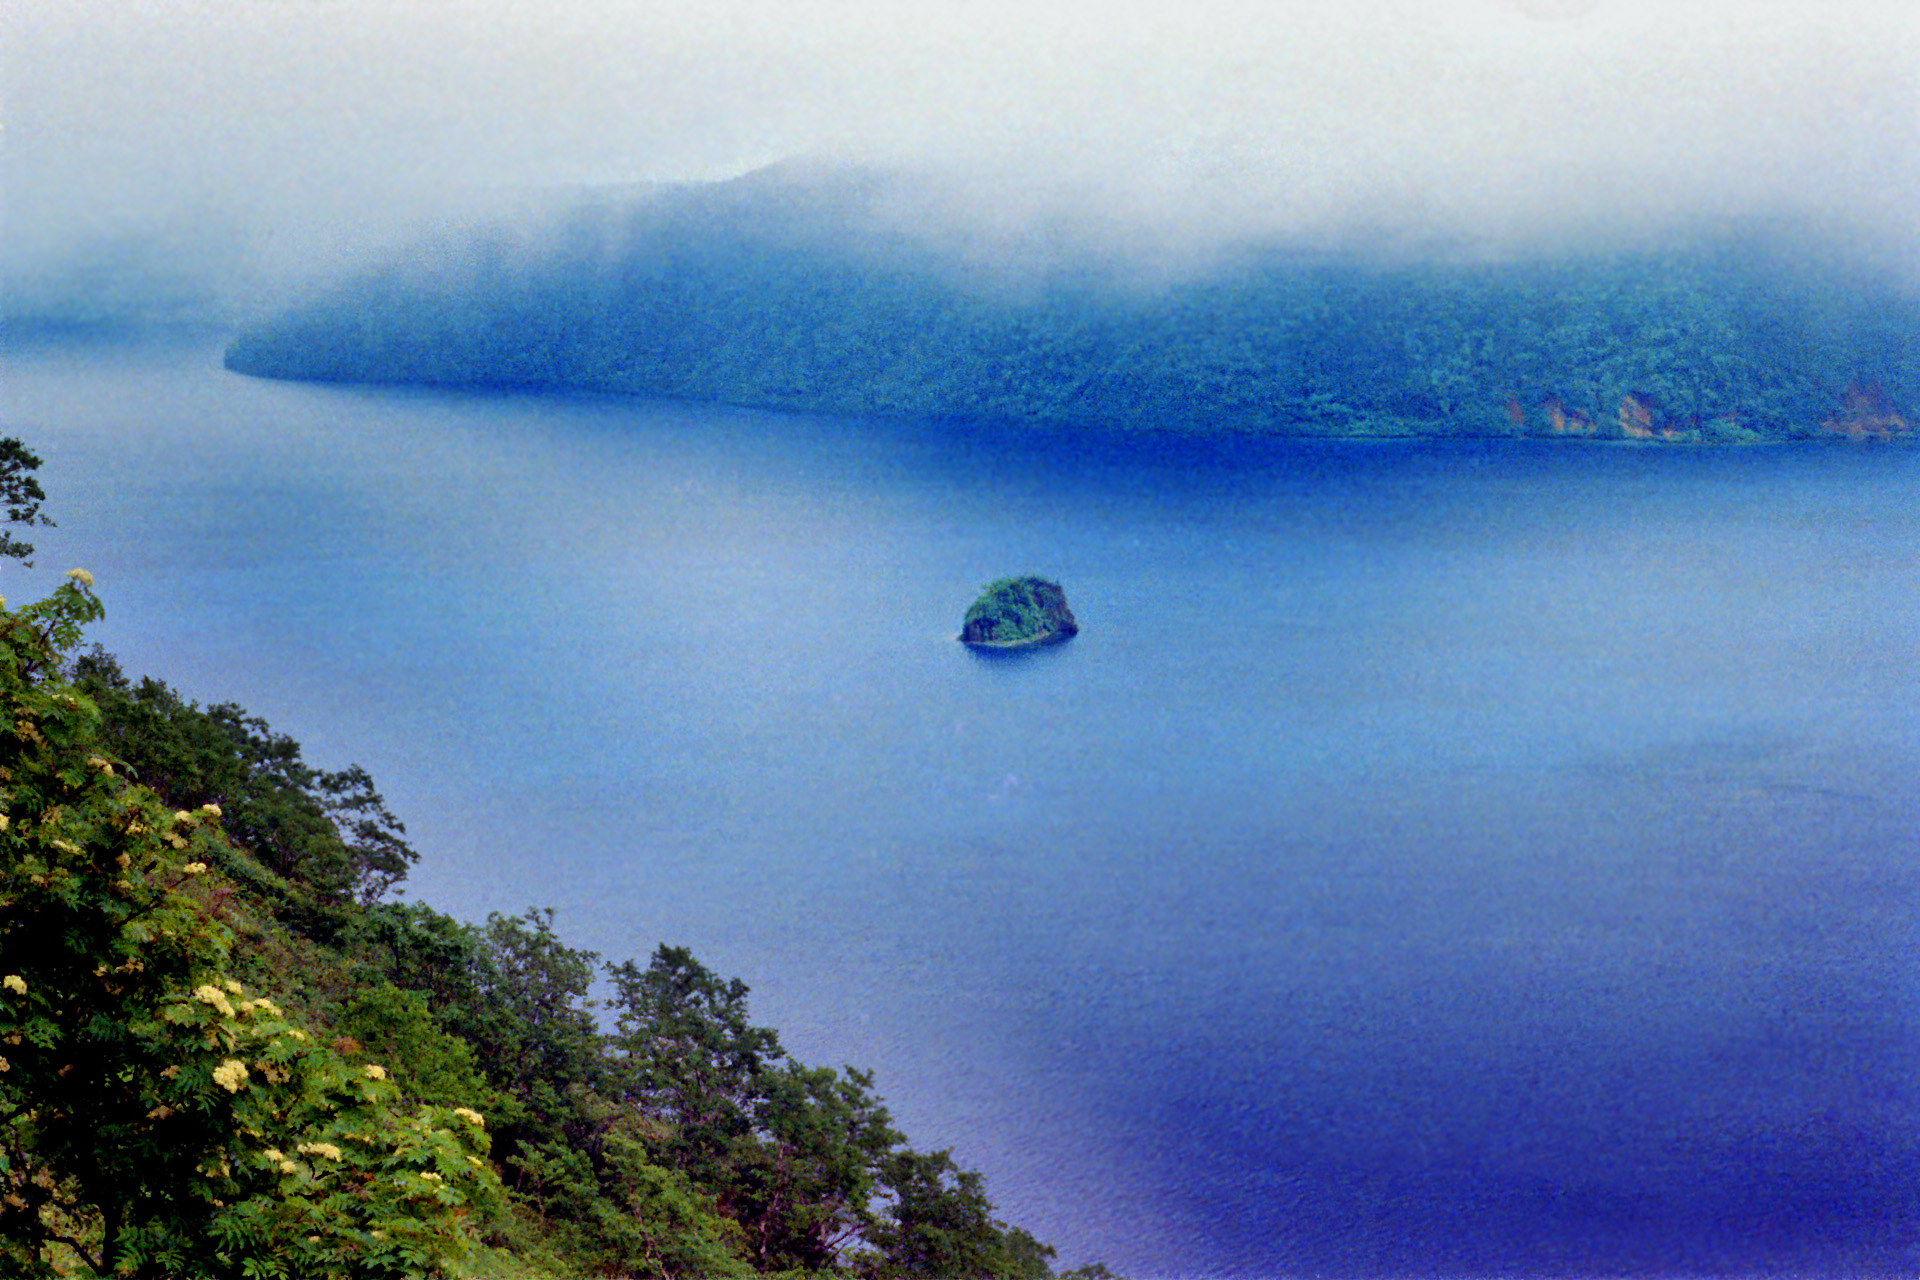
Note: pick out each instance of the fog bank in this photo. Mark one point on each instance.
(309, 131)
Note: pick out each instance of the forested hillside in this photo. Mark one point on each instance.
(813, 291)
(227, 1050)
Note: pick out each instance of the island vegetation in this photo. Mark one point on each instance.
(797, 289)
(1019, 613)
(228, 1049)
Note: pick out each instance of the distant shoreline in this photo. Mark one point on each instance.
(1103, 429)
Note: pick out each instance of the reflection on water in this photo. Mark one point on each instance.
(1428, 859)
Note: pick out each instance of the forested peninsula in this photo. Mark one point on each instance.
(824, 291)
(228, 1049)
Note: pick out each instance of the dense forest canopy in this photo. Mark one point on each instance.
(813, 289)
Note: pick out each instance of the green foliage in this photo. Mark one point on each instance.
(328, 832)
(159, 1121)
(527, 1016)
(419, 949)
(1015, 611)
(791, 1152)
(20, 495)
(532, 1023)
(941, 1224)
(688, 1055)
(808, 1187)
(393, 1026)
(615, 1211)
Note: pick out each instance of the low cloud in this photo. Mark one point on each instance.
(323, 127)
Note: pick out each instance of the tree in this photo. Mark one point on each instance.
(797, 1156)
(940, 1226)
(21, 495)
(688, 1054)
(805, 1192)
(156, 1119)
(329, 832)
(531, 1022)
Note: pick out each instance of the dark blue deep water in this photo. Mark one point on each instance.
(1430, 859)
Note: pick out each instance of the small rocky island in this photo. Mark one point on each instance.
(1019, 613)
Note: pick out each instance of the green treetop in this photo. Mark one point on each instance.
(20, 495)
(1018, 612)
(157, 1119)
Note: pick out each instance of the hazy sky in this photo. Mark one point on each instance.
(310, 122)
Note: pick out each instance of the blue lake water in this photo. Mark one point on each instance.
(1430, 859)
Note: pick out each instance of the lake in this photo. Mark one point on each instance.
(1433, 858)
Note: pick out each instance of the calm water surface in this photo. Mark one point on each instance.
(1434, 859)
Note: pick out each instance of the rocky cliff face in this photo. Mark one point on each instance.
(1869, 416)
(1017, 612)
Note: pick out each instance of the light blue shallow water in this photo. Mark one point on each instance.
(1430, 859)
